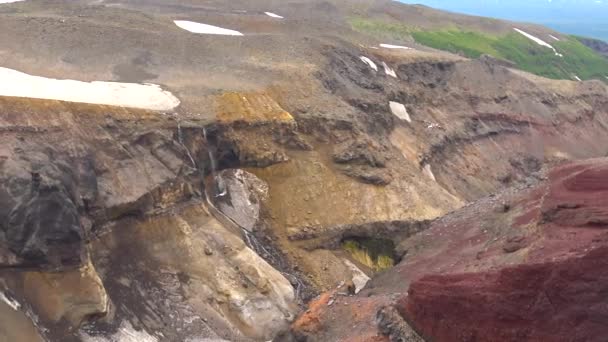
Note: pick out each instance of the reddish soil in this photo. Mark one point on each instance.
(553, 301)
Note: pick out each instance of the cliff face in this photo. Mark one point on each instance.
(292, 173)
(521, 265)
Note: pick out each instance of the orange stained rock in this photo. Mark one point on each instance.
(309, 321)
(250, 107)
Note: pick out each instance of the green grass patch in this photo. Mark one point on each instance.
(377, 254)
(577, 59)
(380, 28)
(468, 44)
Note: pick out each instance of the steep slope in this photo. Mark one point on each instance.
(301, 152)
(528, 264)
(532, 48)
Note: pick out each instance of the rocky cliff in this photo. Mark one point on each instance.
(311, 184)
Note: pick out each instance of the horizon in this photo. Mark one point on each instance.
(578, 17)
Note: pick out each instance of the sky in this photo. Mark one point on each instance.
(582, 17)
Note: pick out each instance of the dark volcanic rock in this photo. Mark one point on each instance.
(44, 228)
(598, 45)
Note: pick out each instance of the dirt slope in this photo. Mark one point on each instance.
(223, 218)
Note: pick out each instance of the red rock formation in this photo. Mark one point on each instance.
(579, 196)
(557, 292)
(553, 301)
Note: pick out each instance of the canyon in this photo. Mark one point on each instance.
(306, 182)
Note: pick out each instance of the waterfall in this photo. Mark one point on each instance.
(219, 189)
(180, 140)
(218, 182)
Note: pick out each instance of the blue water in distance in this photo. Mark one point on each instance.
(582, 17)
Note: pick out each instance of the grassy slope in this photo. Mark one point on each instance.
(577, 59)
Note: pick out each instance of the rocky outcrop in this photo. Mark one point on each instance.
(552, 301)
(522, 265)
(292, 167)
(597, 45)
(104, 224)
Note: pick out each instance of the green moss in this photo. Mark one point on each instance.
(376, 254)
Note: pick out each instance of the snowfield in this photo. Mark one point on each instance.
(270, 14)
(195, 27)
(145, 96)
(399, 110)
(9, 1)
(391, 46)
(389, 71)
(369, 62)
(538, 41)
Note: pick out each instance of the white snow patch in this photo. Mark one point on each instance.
(10, 302)
(554, 37)
(388, 70)
(577, 78)
(360, 279)
(270, 14)
(195, 27)
(369, 62)
(400, 111)
(146, 96)
(391, 46)
(427, 171)
(9, 1)
(539, 41)
(126, 333)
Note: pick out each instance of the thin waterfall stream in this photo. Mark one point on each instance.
(219, 189)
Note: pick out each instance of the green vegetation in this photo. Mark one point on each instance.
(468, 44)
(577, 59)
(376, 254)
(380, 28)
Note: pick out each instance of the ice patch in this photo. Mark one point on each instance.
(577, 78)
(126, 333)
(369, 62)
(388, 70)
(10, 302)
(554, 37)
(391, 46)
(195, 27)
(146, 96)
(427, 171)
(400, 111)
(538, 41)
(360, 279)
(270, 14)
